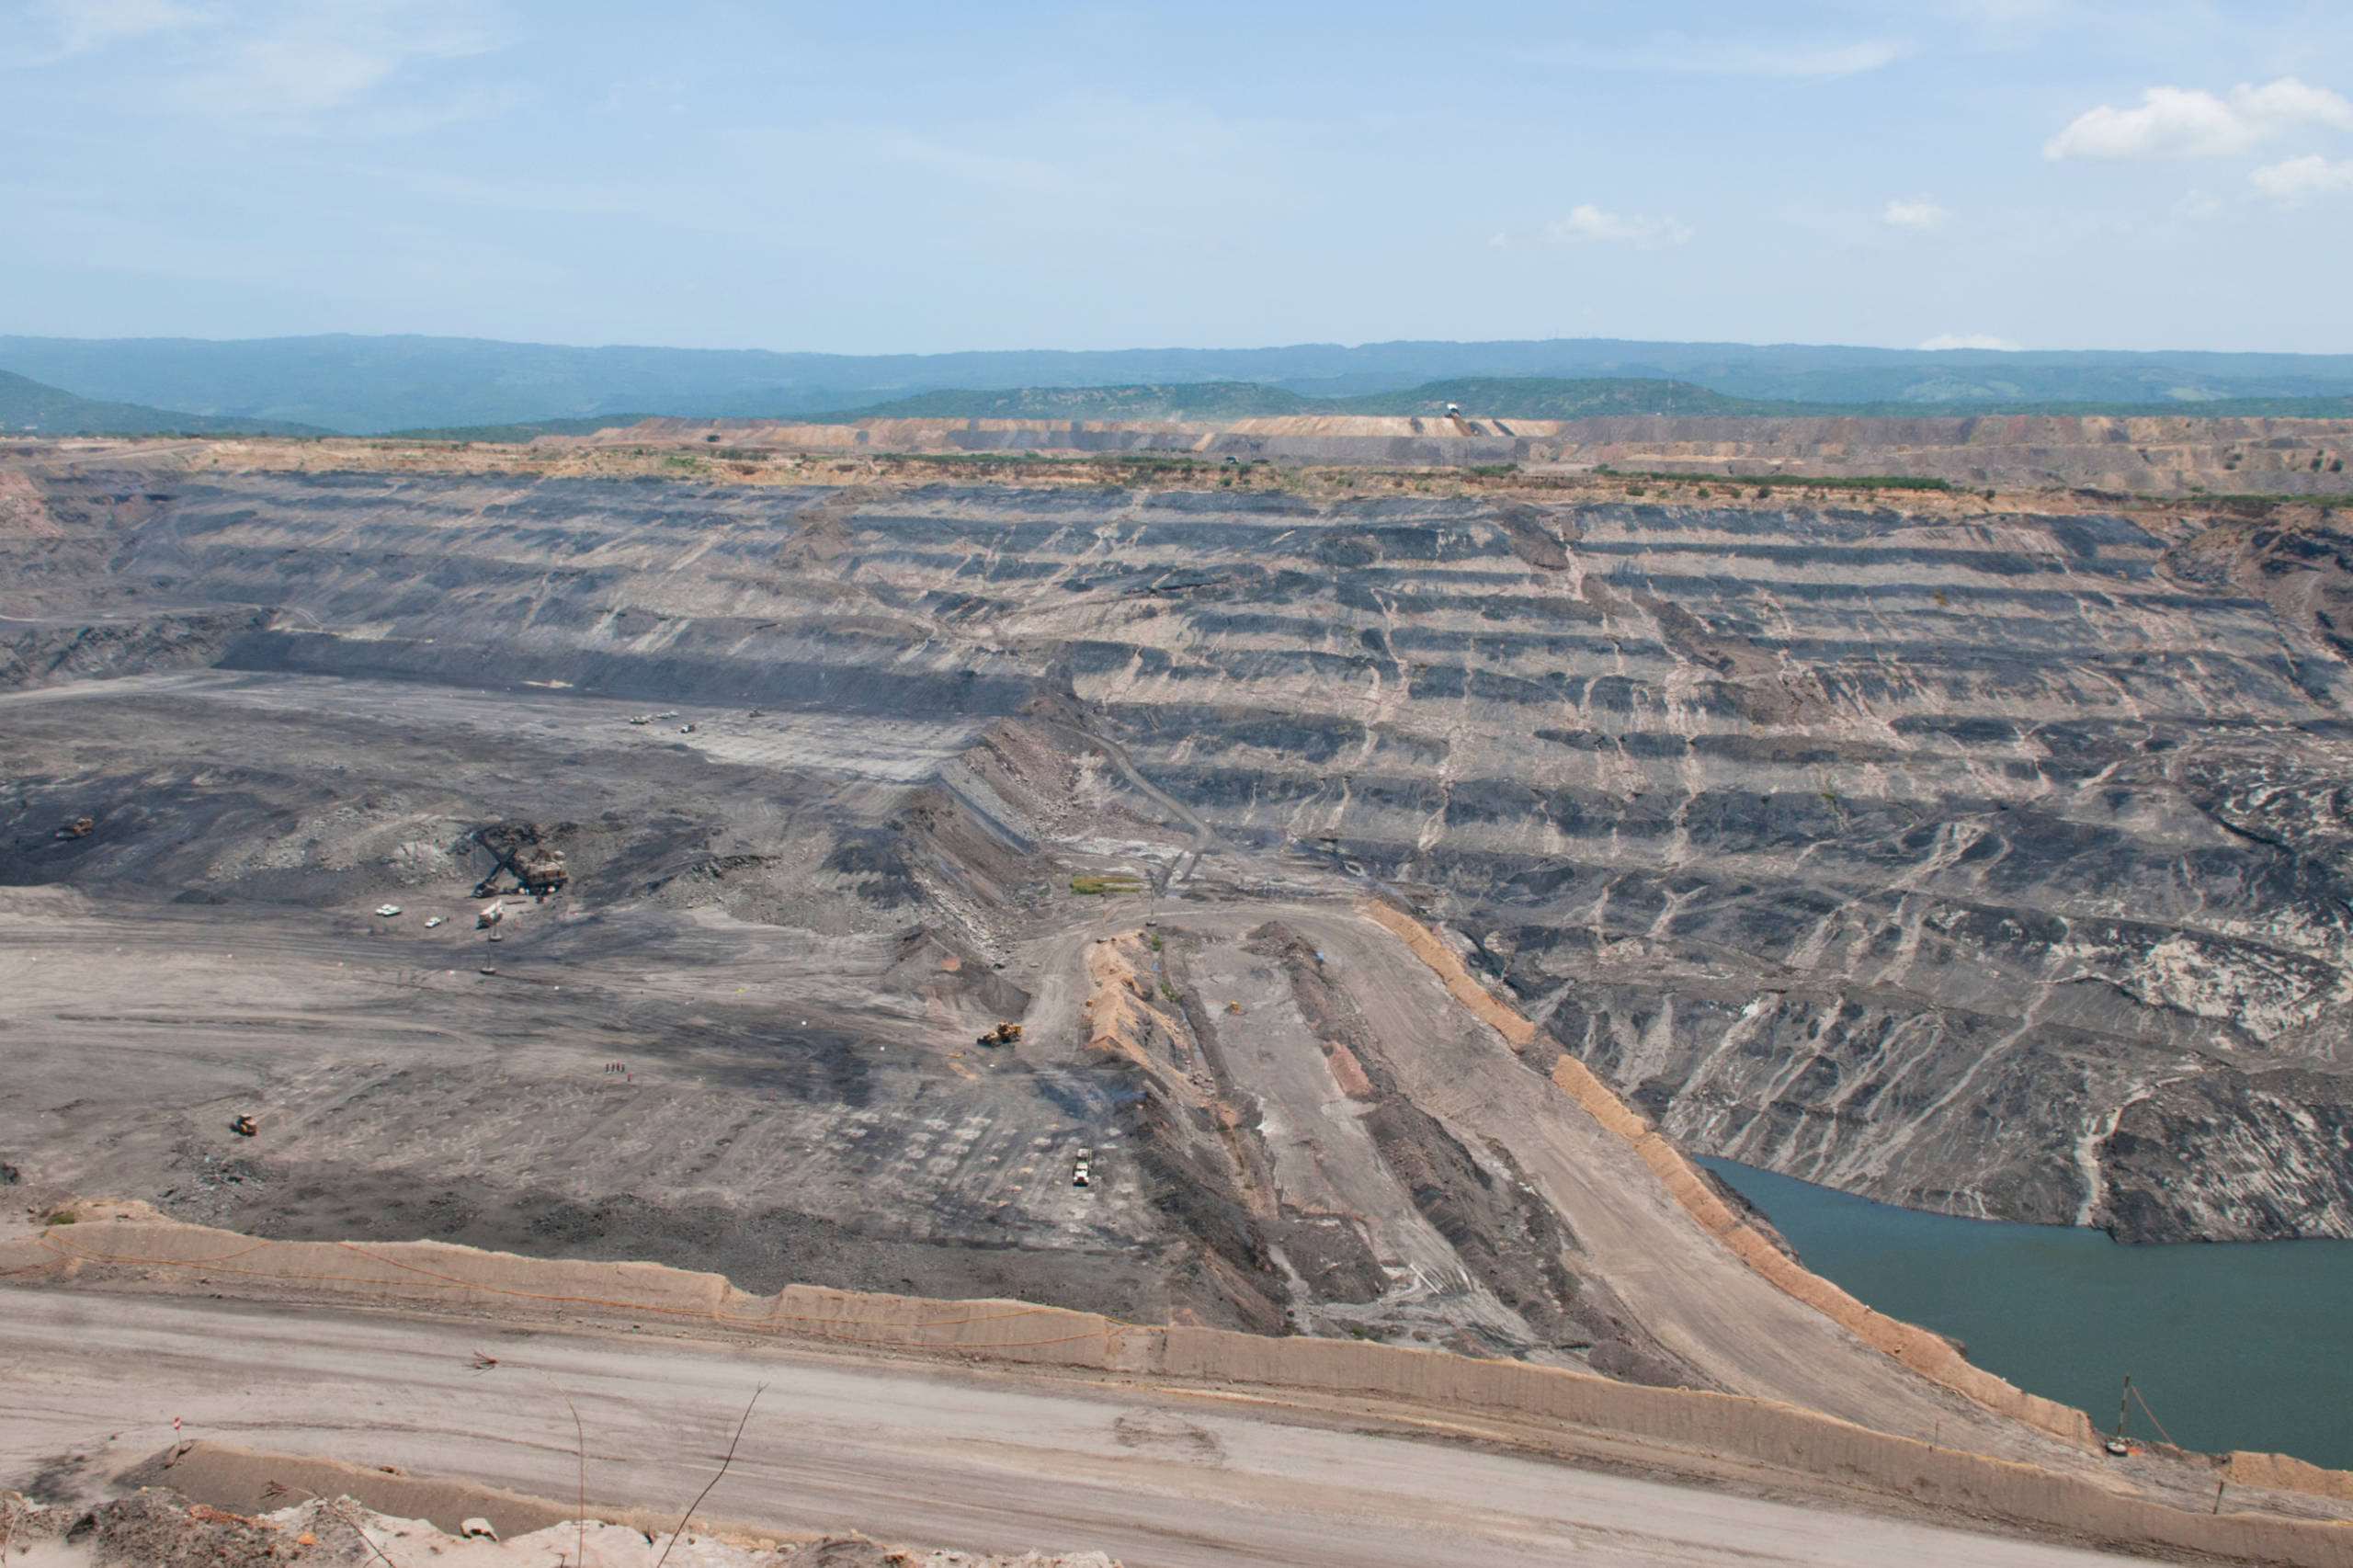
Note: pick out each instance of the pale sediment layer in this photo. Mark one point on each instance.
(115, 1251)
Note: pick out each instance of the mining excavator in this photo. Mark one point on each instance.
(537, 869)
(80, 827)
(1004, 1034)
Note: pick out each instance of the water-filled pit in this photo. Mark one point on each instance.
(2241, 1346)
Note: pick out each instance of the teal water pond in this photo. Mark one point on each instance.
(2237, 1346)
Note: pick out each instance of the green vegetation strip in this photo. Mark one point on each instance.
(1490, 398)
(1154, 460)
(516, 434)
(1784, 480)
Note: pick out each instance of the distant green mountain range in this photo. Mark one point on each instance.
(371, 384)
(26, 407)
(521, 430)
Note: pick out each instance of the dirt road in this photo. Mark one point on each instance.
(996, 1461)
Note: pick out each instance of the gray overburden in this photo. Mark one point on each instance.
(1989, 860)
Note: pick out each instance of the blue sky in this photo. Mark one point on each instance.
(2054, 173)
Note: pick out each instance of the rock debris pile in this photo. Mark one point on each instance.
(157, 1529)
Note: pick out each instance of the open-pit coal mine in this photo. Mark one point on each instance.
(1989, 855)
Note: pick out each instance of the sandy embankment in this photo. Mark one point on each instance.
(137, 1247)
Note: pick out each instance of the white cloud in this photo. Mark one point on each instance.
(2005, 13)
(2288, 103)
(1968, 340)
(79, 26)
(2197, 206)
(2188, 122)
(292, 60)
(1675, 53)
(1921, 214)
(298, 73)
(969, 166)
(309, 61)
(85, 24)
(2300, 179)
(1586, 223)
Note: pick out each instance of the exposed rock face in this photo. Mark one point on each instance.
(1992, 863)
(40, 653)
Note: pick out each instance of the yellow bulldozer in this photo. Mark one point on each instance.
(1004, 1034)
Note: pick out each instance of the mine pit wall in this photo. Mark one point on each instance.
(35, 654)
(101, 1252)
(1599, 752)
(2012, 908)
